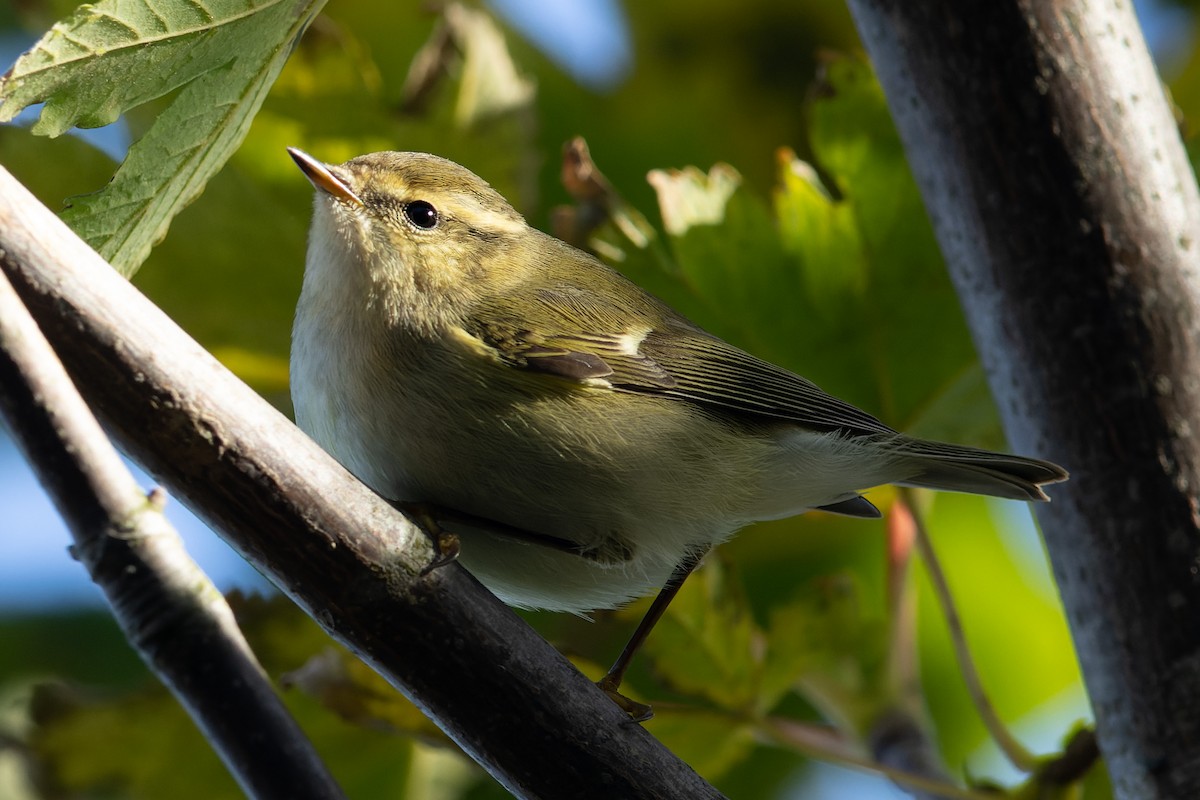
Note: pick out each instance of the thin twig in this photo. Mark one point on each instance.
(1016, 752)
(824, 744)
(170, 611)
(901, 739)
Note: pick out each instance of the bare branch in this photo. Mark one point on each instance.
(170, 611)
(341, 552)
(1063, 200)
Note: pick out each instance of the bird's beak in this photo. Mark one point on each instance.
(320, 176)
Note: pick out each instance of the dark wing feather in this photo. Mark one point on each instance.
(710, 371)
(584, 340)
(683, 363)
(564, 362)
(578, 357)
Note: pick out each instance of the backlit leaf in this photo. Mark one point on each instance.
(116, 55)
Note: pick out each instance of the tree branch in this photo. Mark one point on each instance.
(341, 552)
(1070, 219)
(169, 610)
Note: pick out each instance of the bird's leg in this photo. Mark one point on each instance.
(610, 683)
(429, 518)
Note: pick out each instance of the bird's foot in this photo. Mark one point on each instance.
(446, 545)
(638, 712)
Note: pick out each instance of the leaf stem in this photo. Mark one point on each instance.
(1016, 752)
(827, 745)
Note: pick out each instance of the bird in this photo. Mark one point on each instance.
(588, 443)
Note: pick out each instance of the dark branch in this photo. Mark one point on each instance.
(169, 610)
(1061, 195)
(1080, 755)
(901, 742)
(349, 559)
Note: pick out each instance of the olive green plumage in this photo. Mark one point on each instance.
(447, 353)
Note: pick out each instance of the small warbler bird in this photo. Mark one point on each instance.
(595, 442)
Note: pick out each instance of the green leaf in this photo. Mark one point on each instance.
(843, 285)
(912, 338)
(710, 743)
(292, 646)
(113, 56)
(349, 688)
(961, 410)
(824, 645)
(142, 744)
(822, 234)
(237, 293)
(727, 250)
(51, 169)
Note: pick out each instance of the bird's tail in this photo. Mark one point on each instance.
(956, 468)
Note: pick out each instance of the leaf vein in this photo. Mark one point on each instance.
(159, 18)
(179, 33)
(113, 18)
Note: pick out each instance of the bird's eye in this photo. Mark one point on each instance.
(421, 214)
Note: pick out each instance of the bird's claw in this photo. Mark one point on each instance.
(638, 712)
(446, 548)
(446, 545)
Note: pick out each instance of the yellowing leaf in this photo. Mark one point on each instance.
(491, 84)
(356, 693)
(688, 197)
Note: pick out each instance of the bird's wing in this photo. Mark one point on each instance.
(710, 371)
(682, 363)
